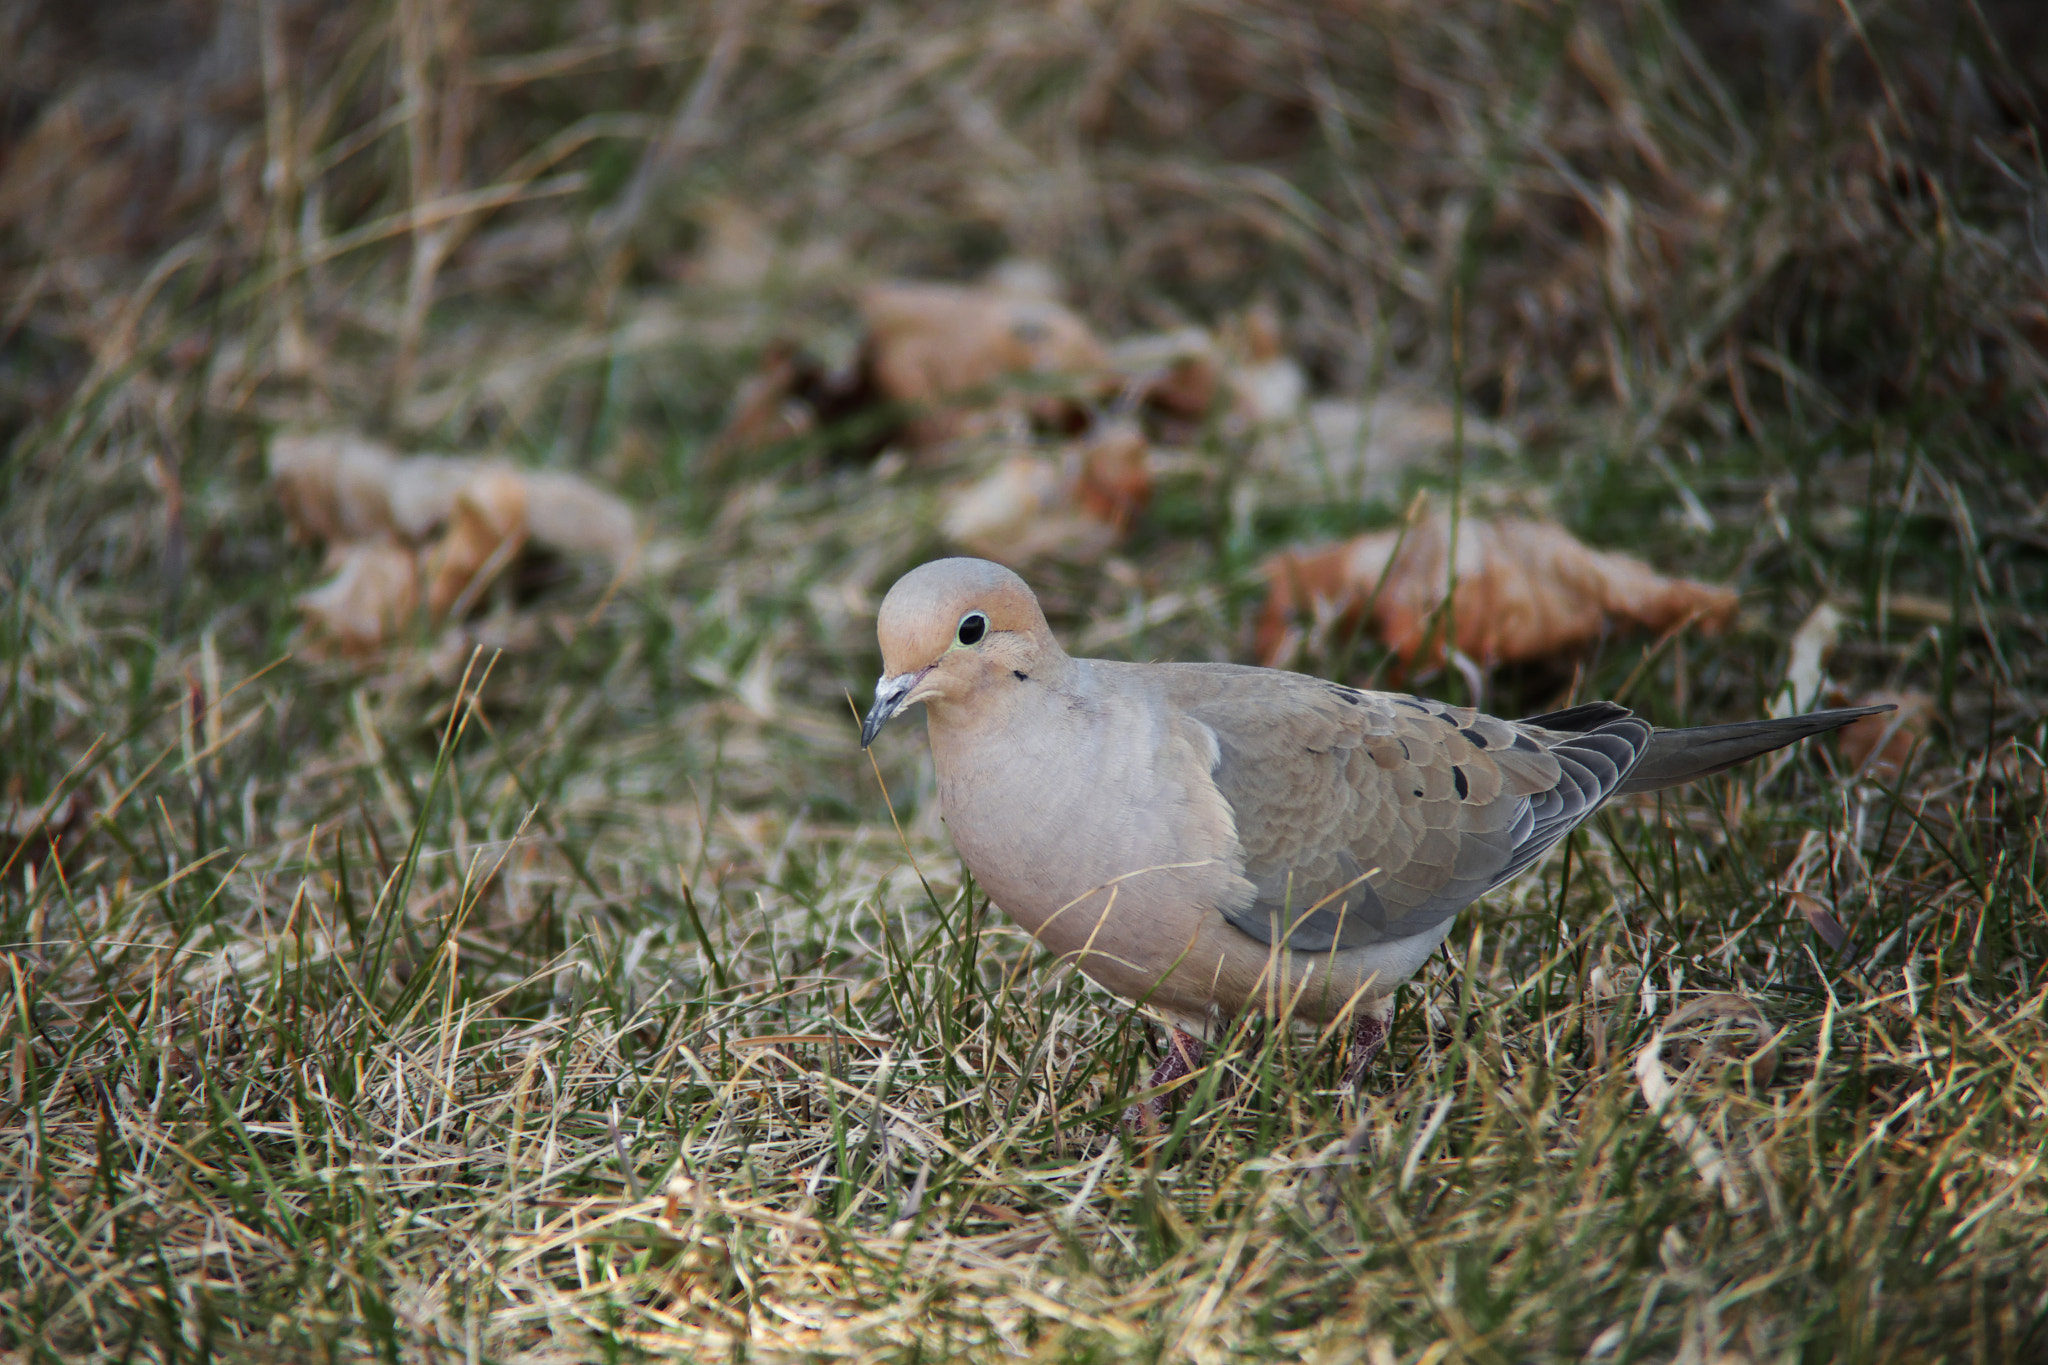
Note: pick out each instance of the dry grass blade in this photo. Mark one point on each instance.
(593, 1003)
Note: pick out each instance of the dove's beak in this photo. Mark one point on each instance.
(890, 696)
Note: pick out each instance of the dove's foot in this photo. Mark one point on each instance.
(1183, 1055)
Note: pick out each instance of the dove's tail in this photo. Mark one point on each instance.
(1677, 756)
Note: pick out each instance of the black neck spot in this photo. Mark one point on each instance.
(1020, 675)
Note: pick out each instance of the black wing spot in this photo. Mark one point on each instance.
(1458, 780)
(1411, 704)
(1347, 695)
(1404, 750)
(1478, 740)
(1527, 745)
(1418, 791)
(1020, 675)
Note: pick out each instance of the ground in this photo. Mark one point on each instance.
(565, 982)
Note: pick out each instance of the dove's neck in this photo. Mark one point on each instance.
(1012, 698)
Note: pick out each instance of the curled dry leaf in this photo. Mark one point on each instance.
(1184, 374)
(951, 352)
(957, 359)
(1266, 384)
(339, 486)
(1335, 447)
(1178, 373)
(1880, 747)
(791, 393)
(486, 529)
(1075, 505)
(573, 516)
(374, 590)
(434, 527)
(1820, 917)
(335, 486)
(1525, 590)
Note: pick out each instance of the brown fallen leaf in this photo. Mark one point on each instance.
(1177, 373)
(341, 486)
(1239, 372)
(1525, 590)
(438, 528)
(372, 595)
(1073, 505)
(1115, 479)
(953, 354)
(334, 485)
(1820, 917)
(486, 530)
(1880, 747)
(424, 489)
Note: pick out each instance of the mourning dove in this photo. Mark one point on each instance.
(1207, 838)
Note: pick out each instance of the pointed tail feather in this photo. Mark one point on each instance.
(1677, 756)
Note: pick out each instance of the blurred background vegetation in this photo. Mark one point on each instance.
(554, 980)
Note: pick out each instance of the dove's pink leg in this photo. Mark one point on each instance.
(1367, 1038)
(1183, 1055)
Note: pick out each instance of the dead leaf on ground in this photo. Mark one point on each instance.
(1880, 746)
(1073, 505)
(573, 516)
(334, 485)
(1266, 384)
(1525, 590)
(952, 360)
(433, 528)
(486, 529)
(1356, 448)
(1178, 373)
(1820, 917)
(374, 590)
(1187, 374)
(953, 354)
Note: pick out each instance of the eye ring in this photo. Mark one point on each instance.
(972, 627)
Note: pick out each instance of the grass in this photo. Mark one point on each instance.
(567, 984)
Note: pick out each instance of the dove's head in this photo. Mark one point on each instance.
(956, 632)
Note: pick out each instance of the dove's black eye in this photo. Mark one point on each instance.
(972, 627)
